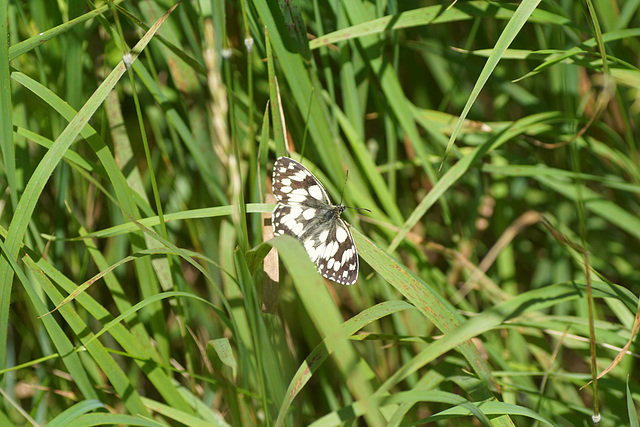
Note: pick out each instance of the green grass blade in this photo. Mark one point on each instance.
(326, 319)
(430, 304)
(520, 17)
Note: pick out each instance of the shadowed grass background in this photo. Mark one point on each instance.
(496, 145)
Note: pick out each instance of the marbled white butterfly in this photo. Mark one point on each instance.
(305, 212)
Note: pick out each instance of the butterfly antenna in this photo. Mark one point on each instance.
(345, 184)
(343, 187)
(358, 209)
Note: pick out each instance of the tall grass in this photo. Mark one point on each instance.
(496, 145)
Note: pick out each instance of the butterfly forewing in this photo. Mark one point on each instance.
(293, 184)
(305, 212)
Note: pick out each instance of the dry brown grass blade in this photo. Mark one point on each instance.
(622, 352)
(523, 221)
(270, 266)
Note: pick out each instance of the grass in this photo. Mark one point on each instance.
(496, 145)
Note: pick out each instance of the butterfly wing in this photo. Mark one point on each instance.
(303, 203)
(293, 184)
(334, 252)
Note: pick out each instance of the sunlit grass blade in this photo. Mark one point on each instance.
(327, 320)
(320, 353)
(520, 17)
(36, 183)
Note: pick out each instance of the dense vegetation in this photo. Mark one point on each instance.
(496, 145)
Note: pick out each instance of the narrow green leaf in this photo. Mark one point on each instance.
(513, 27)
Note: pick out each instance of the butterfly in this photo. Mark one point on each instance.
(304, 211)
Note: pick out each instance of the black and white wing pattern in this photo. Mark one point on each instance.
(304, 211)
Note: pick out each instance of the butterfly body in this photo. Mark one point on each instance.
(304, 211)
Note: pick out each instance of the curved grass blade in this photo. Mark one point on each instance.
(40, 177)
(513, 27)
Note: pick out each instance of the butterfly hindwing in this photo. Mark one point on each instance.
(337, 258)
(304, 211)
